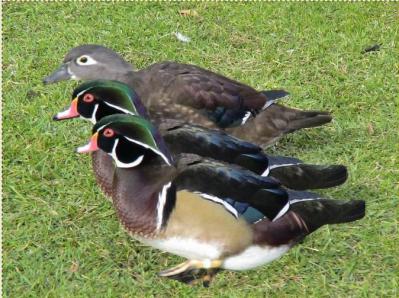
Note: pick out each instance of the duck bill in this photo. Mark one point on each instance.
(91, 146)
(61, 74)
(71, 112)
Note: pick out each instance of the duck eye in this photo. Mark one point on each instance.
(83, 59)
(108, 132)
(88, 97)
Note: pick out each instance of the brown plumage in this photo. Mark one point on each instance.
(191, 93)
(103, 168)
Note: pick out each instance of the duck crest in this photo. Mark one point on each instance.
(120, 96)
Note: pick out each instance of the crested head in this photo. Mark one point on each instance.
(130, 140)
(96, 99)
(90, 62)
(93, 49)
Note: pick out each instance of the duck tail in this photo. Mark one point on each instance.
(305, 176)
(305, 119)
(315, 212)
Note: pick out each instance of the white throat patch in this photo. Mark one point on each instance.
(150, 148)
(215, 199)
(121, 164)
(93, 116)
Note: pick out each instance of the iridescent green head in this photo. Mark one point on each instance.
(94, 100)
(130, 140)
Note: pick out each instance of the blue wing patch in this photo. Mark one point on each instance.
(244, 210)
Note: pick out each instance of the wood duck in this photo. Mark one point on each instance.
(94, 100)
(218, 216)
(193, 94)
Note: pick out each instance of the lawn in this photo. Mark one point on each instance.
(61, 237)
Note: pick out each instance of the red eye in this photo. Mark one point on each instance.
(108, 132)
(88, 97)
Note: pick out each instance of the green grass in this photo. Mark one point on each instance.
(55, 216)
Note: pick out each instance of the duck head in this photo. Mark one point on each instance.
(94, 100)
(89, 62)
(129, 139)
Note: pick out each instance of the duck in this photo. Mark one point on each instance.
(193, 94)
(96, 99)
(217, 216)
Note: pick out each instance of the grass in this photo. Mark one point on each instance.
(62, 239)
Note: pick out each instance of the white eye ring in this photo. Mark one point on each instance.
(86, 60)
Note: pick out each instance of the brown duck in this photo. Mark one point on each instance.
(191, 93)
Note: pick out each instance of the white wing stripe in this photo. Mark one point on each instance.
(282, 165)
(245, 118)
(282, 211)
(215, 199)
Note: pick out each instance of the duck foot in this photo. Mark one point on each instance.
(193, 272)
(207, 279)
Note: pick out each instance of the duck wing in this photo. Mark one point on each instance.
(224, 101)
(229, 184)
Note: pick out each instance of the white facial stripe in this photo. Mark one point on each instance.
(102, 127)
(120, 164)
(152, 149)
(215, 199)
(119, 108)
(93, 116)
(81, 92)
(89, 60)
(161, 204)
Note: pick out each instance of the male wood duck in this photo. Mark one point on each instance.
(94, 100)
(193, 94)
(218, 216)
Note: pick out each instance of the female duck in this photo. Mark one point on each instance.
(193, 94)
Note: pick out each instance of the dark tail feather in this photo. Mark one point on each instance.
(306, 119)
(275, 94)
(307, 213)
(280, 161)
(257, 163)
(316, 213)
(303, 176)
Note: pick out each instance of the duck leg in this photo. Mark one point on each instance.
(192, 271)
